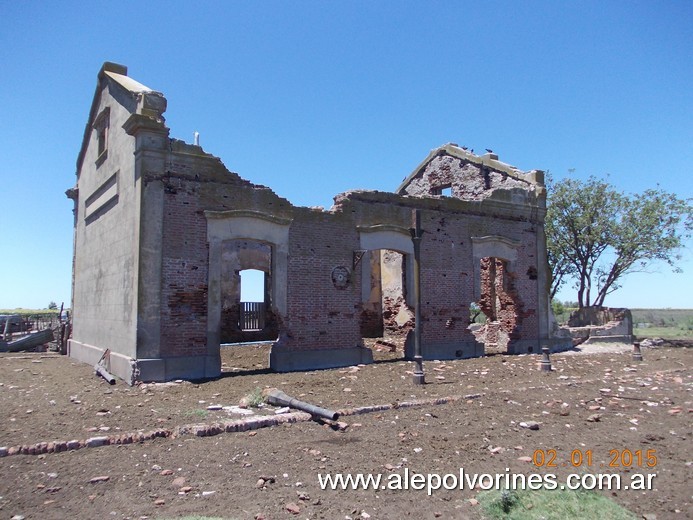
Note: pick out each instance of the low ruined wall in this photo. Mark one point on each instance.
(588, 316)
(601, 324)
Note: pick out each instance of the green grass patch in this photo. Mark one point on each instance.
(663, 332)
(663, 323)
(550, 505)
(662, 317)
(197, 414)
(255, 398)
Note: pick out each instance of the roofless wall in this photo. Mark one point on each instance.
(154, 217)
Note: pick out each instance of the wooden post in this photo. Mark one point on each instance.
(101, 370)
(7, 328)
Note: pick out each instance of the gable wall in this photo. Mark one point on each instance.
(105, 268)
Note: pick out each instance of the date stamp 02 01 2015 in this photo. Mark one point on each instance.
(625, 458)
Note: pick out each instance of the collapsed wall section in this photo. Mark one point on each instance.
(601, 324)
(451, 265)
(216, 224)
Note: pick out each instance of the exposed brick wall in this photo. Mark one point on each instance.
(194, 184)
(184, 272)
(447, 277)
(117, 296)
(386, 313)
(319, 314)
(499, 301)
(468, 181)
(398, 317)
(447, 266)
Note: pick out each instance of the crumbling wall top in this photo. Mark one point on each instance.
(453, 171)
(489, 159)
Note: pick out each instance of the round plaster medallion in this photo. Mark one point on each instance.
(340, 277)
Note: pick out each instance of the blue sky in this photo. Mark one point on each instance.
(317, 98)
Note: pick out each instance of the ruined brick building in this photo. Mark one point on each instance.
(162, 230)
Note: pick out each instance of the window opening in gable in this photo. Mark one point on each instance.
(101, 126)
(442, 191)
(101, 137)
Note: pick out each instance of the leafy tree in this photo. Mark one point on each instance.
(53, 306)
(476, 315)
(557, 307)
(597, 235)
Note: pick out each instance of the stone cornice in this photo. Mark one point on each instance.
(378, 228)
(247, 213)
(138, 122)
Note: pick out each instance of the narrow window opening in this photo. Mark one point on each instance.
(101, 137)
(101, 131)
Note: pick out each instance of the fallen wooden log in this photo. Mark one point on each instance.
(29, 341)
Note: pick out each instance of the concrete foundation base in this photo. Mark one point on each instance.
(295, 360)
(534, 346)
(610, 339)
(121, 366)
(558, 344)
(451, 350)
(526, 346)
(188, 367)
(132, 370)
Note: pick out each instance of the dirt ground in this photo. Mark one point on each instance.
(597, 400)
